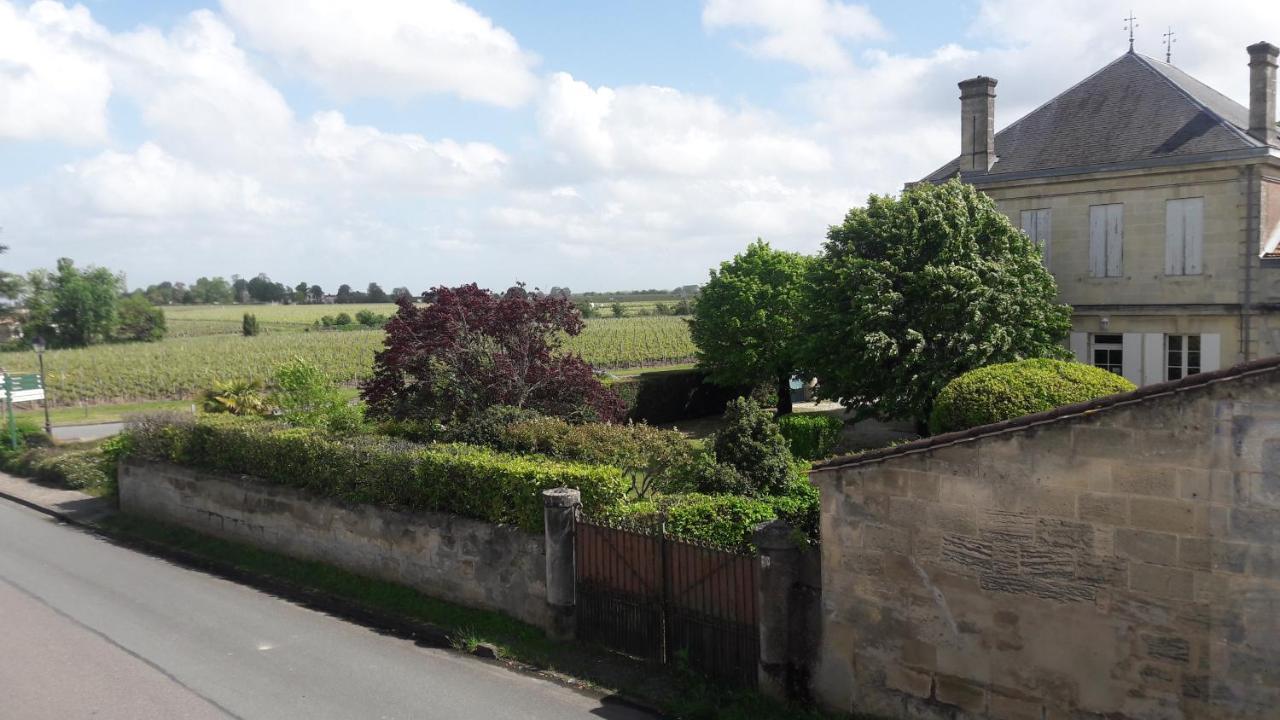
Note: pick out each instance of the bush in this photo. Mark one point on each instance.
(236, 397)
(810, 436)
(750, 442)
(1009, 390)
(667, 396)
(651, 458)
(468, 481)
(78, 468)
(138, 319)
(342, 319)
(249, 325)
(368, 318)
(307, 397)
(487, 426)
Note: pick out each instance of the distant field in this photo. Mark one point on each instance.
(201, 320)
(179, 366)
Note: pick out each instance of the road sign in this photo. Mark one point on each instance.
(24, 388)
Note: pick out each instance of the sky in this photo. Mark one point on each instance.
(595, 145)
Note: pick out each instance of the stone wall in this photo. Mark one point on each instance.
(445, 556)
(1118, 563)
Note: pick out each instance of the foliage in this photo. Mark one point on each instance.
(472, 349)
(30, 435)
(1009, 390)
(306, 397)
(486, 426)
(72, 307)
(664, 396)
(750, 443)
(618, 310)
(746, 323)
(653, 460)
(912, 292)
(468, 481)
(342, 319)
(368, 318)
(249, 325)
(11, 286)
(242, 396)
(810, 436)
(139, 320)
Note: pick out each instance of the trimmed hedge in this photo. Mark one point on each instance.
(1009, 390)
(810, 436)
(667, 396)
(460, 479)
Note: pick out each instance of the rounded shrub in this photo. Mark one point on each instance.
(1009, 390)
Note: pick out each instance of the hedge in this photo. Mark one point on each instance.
(667, 396)
(472, 482)
(811, 436)
(1009, 390)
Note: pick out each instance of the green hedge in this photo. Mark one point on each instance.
(469, 481)
(1009, 390)
(810, 436)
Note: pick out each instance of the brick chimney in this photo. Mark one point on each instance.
(978, 123)
(1262, 92)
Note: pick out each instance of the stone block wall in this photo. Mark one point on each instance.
(1122, 563)
(445, 556)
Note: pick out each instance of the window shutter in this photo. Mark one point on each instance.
(1080, 347)
(1193, 234)
(1098, 240)
(1131, 361)
(1210, 352)
(1044, 232)
(1115, 240)
(1174, 234)
(1153, 369)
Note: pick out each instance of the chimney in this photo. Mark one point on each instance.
(978, 123)
(1262, 92)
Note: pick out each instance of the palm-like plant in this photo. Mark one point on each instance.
(238, 397)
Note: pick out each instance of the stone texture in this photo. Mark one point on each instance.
(445, 556)
(1123, 565)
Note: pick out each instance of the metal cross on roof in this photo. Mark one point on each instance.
(1130, 23)
(1169, 40)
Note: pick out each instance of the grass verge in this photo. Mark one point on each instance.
(400, 610)
(98, 414)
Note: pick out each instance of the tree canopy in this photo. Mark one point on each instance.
(746, 321)
(72, 307)
(912, 292)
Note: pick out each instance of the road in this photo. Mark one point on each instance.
(89, 629)
(86, 432)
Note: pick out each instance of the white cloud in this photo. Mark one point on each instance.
(51, 84)
(152, 183)
(392, 48)
(810, 33)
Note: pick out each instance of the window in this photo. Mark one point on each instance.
(1106, 240)
(1108, 353)
(1183, 236)
(1183, 355)
(1038, 225)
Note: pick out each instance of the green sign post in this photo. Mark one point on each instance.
(8, 403)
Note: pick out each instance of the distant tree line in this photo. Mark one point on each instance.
(71, 306)
(260, 289)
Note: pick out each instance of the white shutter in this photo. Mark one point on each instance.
(1152, 358)
(1098, 240)
(1210, 352)
(1115, 240)
(1193, 233)
(1044, 232)
(1080, 347)
(1174, 238)
(1131, 360)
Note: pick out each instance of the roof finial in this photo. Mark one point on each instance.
(1169, 40)
(1130, 24)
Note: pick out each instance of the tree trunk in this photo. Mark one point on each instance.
(784, 394)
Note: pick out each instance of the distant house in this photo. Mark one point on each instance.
(1156, 202)
(10, 329)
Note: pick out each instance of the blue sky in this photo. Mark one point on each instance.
(595, 145)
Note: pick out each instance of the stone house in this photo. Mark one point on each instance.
(1156, 202)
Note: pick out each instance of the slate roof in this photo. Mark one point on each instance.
(1136, 108)
(1065, 413)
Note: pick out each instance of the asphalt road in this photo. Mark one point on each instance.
(89, 629)
(86, 432)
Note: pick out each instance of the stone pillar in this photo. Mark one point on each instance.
(779, 572)
(558, 508)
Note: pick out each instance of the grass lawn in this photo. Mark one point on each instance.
(97, 414)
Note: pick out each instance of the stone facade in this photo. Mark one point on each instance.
(1116, 563)
(448, 557)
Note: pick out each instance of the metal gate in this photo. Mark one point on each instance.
(648, 595)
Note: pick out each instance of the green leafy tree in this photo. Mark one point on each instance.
(912, 292)
(752, 445)
(71, 307)
(213, 291)
(11, 286)
(307, 397)
(746, 323)
(618, 309)
(139, 319)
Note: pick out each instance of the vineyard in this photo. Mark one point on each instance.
(202, 320)
(180, 365)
